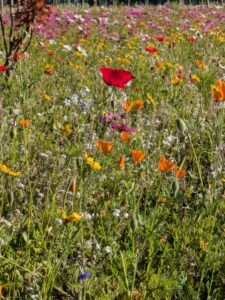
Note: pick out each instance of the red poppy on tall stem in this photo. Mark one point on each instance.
(116, 77)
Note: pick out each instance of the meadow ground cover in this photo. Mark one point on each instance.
(112, 157)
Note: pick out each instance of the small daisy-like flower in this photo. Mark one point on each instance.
(116, 212)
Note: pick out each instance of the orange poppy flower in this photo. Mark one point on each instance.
(127, 105)
(165, 165)
(158, 65)
(139, 104)
(137, 156)
(24, 123)
(122, 162)
(51, 52)
(219, 93)
(104, 146)
(180, 173)
(200, 64)
(125, 136)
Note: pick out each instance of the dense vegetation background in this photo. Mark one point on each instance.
(113, 187)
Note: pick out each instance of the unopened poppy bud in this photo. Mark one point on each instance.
(181, 125)
(73, 187)
(134, 222)
(175, 187)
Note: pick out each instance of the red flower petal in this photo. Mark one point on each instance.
(151, 50)
(191, 39)
(161, 39)
(17, 56)
(116, 77)
(3, 68)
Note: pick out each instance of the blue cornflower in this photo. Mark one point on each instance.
(83, 105)
(83, 276)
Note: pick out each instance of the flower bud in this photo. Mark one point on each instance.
(181, 125)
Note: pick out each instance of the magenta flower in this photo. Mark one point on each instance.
(122, 127)
(115, 125)
(126, 128)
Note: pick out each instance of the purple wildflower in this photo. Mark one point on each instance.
(83, 105)
(126, 128)
(83, 276)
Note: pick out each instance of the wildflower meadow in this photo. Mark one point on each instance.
(112, 175)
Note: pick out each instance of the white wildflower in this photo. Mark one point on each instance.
(67, 47)
(116, 212)
(108, 249)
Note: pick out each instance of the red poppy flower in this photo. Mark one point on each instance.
(17, 56)
(116, 77)
(172, 44)
(151, 50)
(3, 68)
(191, 39)
(51, 52)
(179, 74)
(161, 39)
